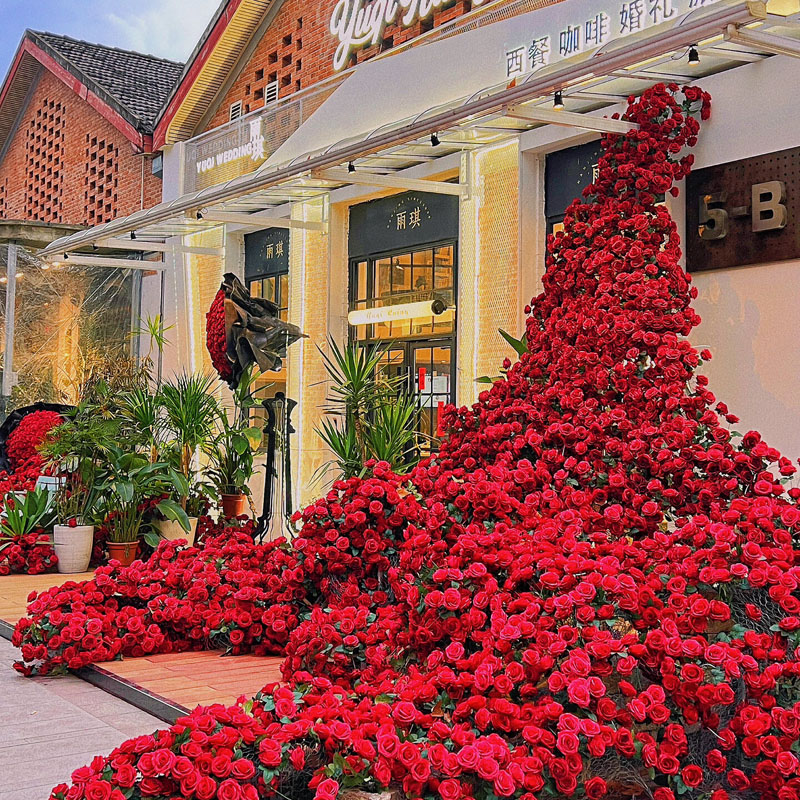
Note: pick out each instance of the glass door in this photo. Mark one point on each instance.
(431, 372)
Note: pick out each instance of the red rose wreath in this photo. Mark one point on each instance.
(242, 330)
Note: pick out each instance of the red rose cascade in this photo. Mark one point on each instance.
(591, 590)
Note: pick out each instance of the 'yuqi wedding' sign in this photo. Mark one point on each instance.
(357, 24)
(242, 330)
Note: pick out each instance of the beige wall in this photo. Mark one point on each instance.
(489, 281)
(749, 313)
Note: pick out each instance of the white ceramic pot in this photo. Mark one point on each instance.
(173, 531)
(73, 547)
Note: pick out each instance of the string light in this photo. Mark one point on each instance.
(351, 167)
(435, 140)
(694, 56)
(558, 101)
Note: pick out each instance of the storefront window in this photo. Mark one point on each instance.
(421, 349)
(405, 278)
(275, 288)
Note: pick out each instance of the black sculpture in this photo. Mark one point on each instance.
(254, 332)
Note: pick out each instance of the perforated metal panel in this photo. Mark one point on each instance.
(728, 188)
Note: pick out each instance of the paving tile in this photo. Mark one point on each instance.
(50, 727)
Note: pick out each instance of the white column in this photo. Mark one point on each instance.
(11, 297)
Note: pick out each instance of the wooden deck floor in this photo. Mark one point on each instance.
(14, 591)
(182, 679)
(192, 679)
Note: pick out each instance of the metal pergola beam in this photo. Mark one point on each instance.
(570, 119)
(389, 181)
(79, 259)
(259, 221)
(142, 246)
(734, 55)
(780, 45)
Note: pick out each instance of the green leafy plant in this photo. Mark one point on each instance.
(369, 416)
(76, 454)
(154, 329)
(231, 455)
(24, 514)
(520, 347)
(134, 486)
(140, 410)
(392, 432)
(231, 452)
(189, 413)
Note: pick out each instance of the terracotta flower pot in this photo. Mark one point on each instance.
(124, 552)
(233, 505)
(73, 547)
(172, 531)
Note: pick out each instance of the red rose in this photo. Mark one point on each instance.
(716, 761)
(229, 790)
(450, 790)
(738, 780)
(595, 788)
(270, 753)
(487, 768)
(98, 790)
(327, 790)
(504, 785)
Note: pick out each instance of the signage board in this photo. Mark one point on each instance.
(266, 253)
(238, 148)
(396, 313)
(358, 23)
(576, 28)
(402, 222)
(744, 212)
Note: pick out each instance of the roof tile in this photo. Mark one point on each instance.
(139, 83)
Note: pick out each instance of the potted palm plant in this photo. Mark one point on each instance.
(75, 453)
(186, 425)
(134, 487)
(231, 455)
(369, 417)
(231, 451)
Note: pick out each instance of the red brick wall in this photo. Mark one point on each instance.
(67, 164)
(298, 50)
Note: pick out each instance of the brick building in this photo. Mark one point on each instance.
(76, 124)
(410, 206)
(255, 52)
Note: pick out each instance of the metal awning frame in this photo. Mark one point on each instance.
(465, 124)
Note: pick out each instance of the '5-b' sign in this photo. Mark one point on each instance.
(767, 211)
